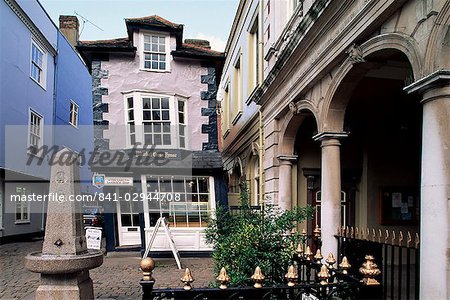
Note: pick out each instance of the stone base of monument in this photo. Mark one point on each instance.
(65, 286)
(65, 261)
(64, 277)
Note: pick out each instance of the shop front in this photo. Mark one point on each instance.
(186, 199)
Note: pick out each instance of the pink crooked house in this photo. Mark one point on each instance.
(154, 96)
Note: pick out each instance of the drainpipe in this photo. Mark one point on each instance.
(261, 160)
(260, 80)
(261, 41)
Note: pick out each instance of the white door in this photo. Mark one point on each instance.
(128, 219)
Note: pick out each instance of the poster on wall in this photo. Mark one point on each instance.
(399, 206)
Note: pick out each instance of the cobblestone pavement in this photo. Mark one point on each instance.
(117, 278)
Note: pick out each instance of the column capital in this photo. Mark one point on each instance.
(436, 79)
(287, 158)
(327, 135)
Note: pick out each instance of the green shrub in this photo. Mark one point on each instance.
(248, 238)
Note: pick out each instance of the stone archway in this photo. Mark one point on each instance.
(294, 119)
(354, 68)
(437, 56)
(368, 57)
(292, 122)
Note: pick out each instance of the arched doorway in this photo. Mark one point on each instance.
(383, 148)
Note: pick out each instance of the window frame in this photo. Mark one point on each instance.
(211, 203)
(43, 76)
(139, 121)
(166, 53)
(236, 89)
(32, 112)
(225, 109)
(75, 111)
(253, 57)
(23, 205)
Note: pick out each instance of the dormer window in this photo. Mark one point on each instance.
(155, 52)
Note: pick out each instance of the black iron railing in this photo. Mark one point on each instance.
(307, 278)
(309, 275)
(398, 258)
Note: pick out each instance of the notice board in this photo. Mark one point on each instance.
(399, 206)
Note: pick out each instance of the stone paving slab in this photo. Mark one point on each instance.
(117, 278)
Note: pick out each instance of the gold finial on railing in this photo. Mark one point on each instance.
(362, 232)
(408, 239)
(393, 238)
(417, 241)
(356, 233)
(374, 235)
(187, 279)
(299, 249)
(258, 278)
(293, 230)
(317, 231)
(303, 232)
(400, 238)
(352, 232)
(370, 270)
(291, 275)
(380, 235)
(343, 231)
(330, 260)
(347, 232)
(344, 265)
(318, 257)
(147, 266)
(323, 275)
(308, 253)
(223, 278)
(386, 236)
(368, 234)
(339, 233)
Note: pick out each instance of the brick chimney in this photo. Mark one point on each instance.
(69, 26)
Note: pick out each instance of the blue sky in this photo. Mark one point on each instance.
(206, 19)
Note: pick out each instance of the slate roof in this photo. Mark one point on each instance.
(195, 51)
(124, 43)
(154, 21)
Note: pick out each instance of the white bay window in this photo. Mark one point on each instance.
(155, 120)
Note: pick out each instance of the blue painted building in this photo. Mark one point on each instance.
(45, 99)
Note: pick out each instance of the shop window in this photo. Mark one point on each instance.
(184, 201)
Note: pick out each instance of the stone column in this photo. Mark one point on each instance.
(435, 185)
(435, 188)
(330, 212)
(285, 181)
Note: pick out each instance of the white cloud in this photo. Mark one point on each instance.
(216, 43)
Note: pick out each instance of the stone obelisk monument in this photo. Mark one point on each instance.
(64, 262)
